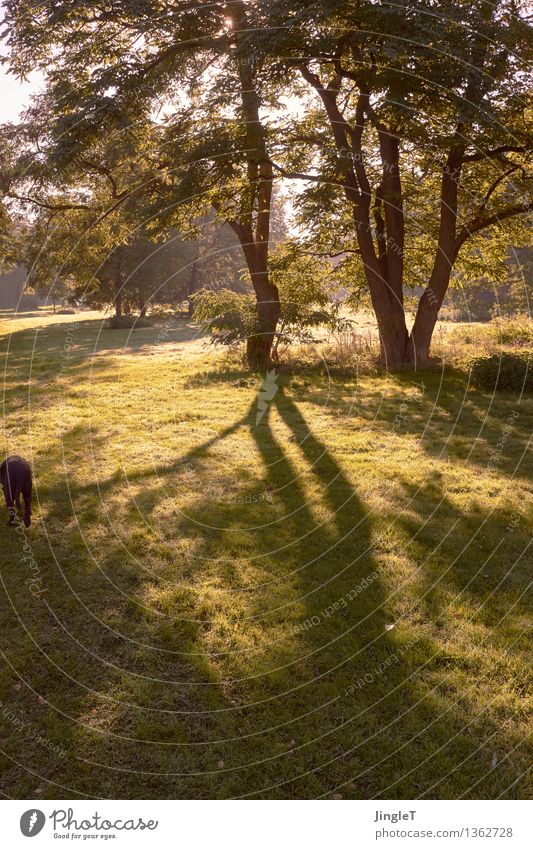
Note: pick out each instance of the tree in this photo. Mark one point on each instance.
(98, 227)
(69, 253)
(218, 260)
(110, 66)
(85, 207)
(404, 104)
(153, 273)
(411, 103)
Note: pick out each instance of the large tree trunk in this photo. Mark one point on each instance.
(416, 352)
(431, 301)
(422, 331)
(253, 224)
(259, 346)
(393, 338)
(381, 244)
(385, 283)
(268, 308)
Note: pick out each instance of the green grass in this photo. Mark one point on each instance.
(218, 595)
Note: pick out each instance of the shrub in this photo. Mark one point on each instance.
(304, 283)
(161, 312)
(228, 316)
(505, 372)
(504, 332)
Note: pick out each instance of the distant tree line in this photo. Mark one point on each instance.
(138, 275)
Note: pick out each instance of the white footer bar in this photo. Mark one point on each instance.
(267, 824)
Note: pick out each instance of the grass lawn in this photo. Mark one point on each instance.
(330, 602)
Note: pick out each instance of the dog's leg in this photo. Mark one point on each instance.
(8, 497)
(26, 492)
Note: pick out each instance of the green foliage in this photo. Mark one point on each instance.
(505, 288)
(505, 372)
(512, 330)
(390, 66)
(228, 316)
(71, 256)
(472, 300)
(433, 82)
(153, 272)
(305, 285)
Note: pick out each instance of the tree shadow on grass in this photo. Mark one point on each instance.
(478, 555)
(428, 730)
(392, 720)
(48, 350)
(212, 689)
(470, 588)
(309, 572)
(440, 412)
(223, 661)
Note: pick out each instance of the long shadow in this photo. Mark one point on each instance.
(306, 599)
(448, 417)
(476, 555)
(274, 625)
(371, 712)
(52, 346)
(107, 636)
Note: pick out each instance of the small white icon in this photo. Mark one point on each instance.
(266, 393)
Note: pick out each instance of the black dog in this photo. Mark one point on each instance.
(15, 475)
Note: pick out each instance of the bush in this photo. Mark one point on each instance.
(308, 314)
(228, 316)
(505, 372)
(162, 312)
(514, 332)
(128, 322)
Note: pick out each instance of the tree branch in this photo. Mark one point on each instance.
(493, 188)
(297, 175)
(478, 224)
(58, 207)
(495, 153)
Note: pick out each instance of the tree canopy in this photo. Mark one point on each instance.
(404, 127)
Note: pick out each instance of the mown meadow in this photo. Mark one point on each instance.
(326, 600)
